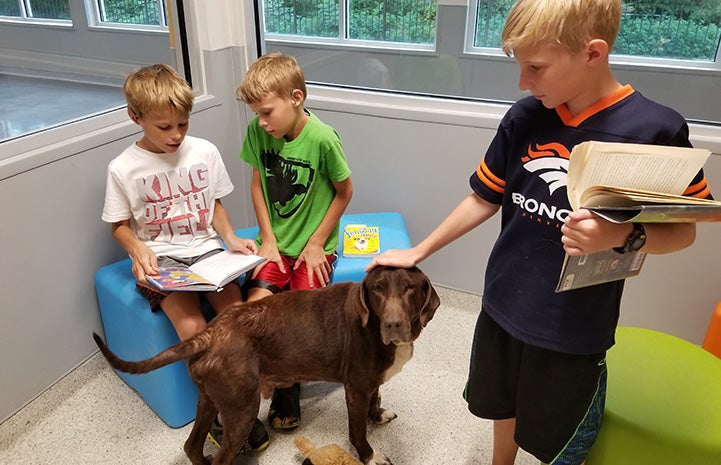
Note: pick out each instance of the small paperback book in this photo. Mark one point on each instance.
(360, 240)
(209, 274)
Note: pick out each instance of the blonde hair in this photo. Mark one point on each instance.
(569, 23)
(273, 73)
(157, 87)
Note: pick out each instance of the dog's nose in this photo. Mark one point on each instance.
(395, 329)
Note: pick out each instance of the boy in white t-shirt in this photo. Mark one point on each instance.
(163, 201)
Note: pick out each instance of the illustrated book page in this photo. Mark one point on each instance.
(209, 274)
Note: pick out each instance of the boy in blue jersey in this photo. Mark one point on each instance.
(538, 359)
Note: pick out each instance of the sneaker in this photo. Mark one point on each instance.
(257, 440)
(284, 411)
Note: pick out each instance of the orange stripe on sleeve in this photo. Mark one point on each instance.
(492, 181)
(699, 190)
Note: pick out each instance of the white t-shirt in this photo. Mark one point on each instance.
(169, 197)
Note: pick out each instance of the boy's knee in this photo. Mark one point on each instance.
(191, 326)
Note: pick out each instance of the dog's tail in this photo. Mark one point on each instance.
(180, 351)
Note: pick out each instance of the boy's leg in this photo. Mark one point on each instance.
(299, 280)
(284, 410)
(505, 448)
(561, 400)
(269, 280)
(183, 311)
(230, 296)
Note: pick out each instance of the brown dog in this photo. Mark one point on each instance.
(357, 334)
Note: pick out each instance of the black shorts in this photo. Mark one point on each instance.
(557, 399)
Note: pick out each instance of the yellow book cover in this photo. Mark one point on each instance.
(360, 240)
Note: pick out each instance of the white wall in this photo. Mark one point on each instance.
(409, 155)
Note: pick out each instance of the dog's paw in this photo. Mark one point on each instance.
(383, 416)
(379, 459)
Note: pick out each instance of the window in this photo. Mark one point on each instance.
(54, 74)
(398, 21)
(451, 48)
(682, 30)
(137, 12)
(36, 9)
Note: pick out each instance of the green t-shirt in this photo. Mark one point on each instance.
(297, 179)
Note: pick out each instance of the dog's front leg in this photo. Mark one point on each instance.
(358, 404)
(204, 417)
(377, 414)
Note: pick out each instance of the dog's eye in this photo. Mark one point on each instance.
(379, 287)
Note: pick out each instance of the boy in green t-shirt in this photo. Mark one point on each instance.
(300, 188)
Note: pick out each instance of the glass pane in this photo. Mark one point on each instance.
(680, 29)
(317, 18)
(9, 8)
(131, 12)
(406, 21)
(50, 9)
(490, 19)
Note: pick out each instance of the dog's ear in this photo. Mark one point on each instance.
(361, 304)
(431, 304)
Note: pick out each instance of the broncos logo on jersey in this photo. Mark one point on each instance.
(550, 162)
(287, 182)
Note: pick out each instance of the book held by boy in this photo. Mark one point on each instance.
(623, 183)
(360, 240)
(209, 274)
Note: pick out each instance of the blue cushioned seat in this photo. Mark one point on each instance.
(133, 332)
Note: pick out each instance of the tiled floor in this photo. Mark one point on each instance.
(30, 104)
(93, 417)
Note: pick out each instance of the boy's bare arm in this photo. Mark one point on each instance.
(313, 254)
(584, 233)
(343, 194)
(221, 223)
(470, 213)
(268, 245)
(144, 260)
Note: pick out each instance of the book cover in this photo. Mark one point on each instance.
(588, 270)
(176, 278)
(360, 240)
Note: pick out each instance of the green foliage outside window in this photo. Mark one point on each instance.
(409, 21)
(131, 12)
(676, 29)
(51, 9)
(318, 18)
(9, 8)
(46, 9)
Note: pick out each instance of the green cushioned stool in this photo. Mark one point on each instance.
(663, 405)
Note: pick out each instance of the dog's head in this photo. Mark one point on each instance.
(402, 299)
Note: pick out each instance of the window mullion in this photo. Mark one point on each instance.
(101, 15)
(343, 19)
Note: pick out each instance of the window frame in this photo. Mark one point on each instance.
(24, 19)
(92, 9)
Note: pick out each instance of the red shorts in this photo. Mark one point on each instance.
(270, 277)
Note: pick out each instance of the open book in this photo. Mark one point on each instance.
(637, 182)
(209, 274)
(630, 183)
